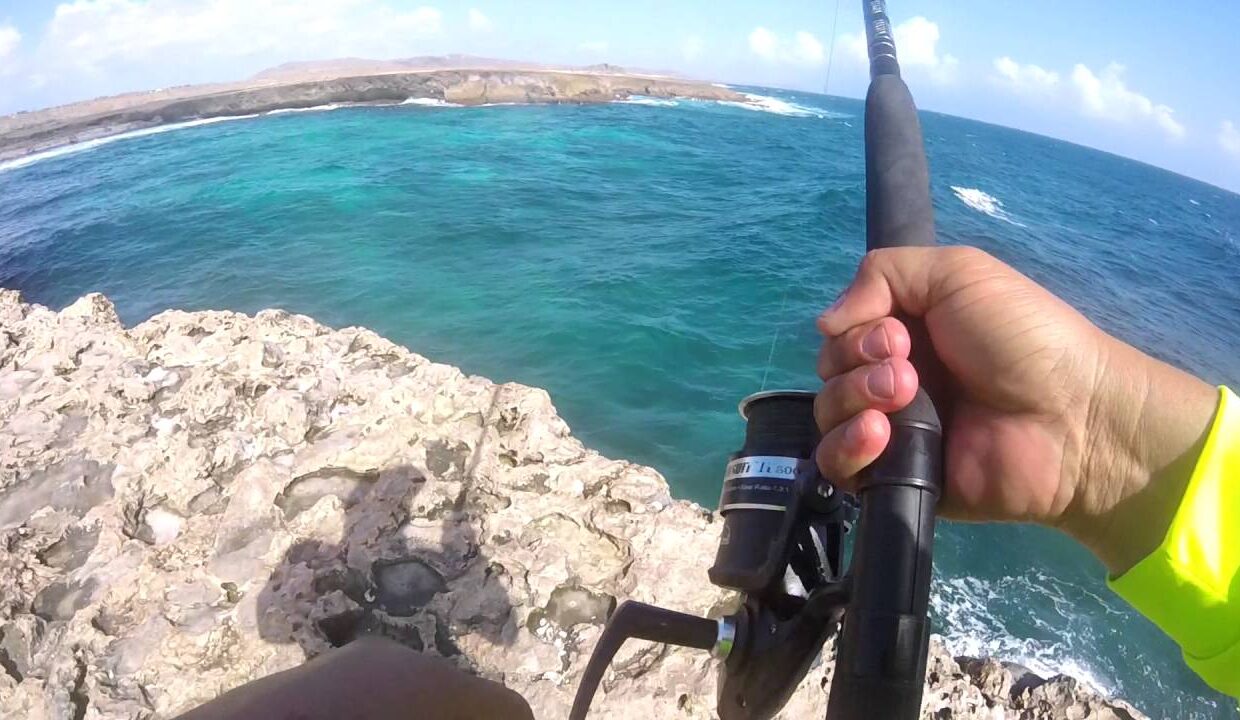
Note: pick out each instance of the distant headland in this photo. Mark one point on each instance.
(454, 79)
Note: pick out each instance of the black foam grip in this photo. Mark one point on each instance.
(881, 659)
(898, 211)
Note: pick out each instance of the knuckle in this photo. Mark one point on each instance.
(841, 387)
(827, 459)
(826, 405)
(827, 360)
(841, 354)
(857, 382)
(822, 458)
(871, 262)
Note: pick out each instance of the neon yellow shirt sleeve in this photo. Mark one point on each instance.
(1190, 585)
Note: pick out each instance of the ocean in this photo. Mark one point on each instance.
(650, 263)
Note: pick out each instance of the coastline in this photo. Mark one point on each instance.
(55, 128)
(209, 497)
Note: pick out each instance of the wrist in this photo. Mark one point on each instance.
(1143, 430)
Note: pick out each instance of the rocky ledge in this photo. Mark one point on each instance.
(210, 497)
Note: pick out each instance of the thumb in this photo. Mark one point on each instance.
(905, 280)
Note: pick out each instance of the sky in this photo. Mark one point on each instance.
(1146, 79)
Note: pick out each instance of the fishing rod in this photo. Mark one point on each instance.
(782, 541)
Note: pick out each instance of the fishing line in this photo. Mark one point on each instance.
(826, 87)
(774, 339)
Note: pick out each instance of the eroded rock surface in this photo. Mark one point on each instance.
(208, 497)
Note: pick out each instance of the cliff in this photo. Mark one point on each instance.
(208, 497)
(318, 84)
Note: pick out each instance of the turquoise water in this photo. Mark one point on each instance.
(640, 262)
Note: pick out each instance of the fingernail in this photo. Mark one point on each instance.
(881, 382)
(876, 345)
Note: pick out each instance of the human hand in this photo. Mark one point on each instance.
(371, 678)
(1050, 419)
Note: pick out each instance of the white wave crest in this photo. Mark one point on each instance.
(972, 628)
(97, 142)
(429, 102)
(984, 203)
(313, 108)
(766, 103)
(644, 100)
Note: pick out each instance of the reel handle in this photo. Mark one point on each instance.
(645, 622)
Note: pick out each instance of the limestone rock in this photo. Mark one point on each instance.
(208, 498)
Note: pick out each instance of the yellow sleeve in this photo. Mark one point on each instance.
(1190, 585)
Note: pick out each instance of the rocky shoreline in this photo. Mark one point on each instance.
(27, 133)
(207, 498)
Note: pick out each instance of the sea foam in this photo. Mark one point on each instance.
(97, 142)
(86, 145)
(766, 103)
(312, 108)
(429, 102)
(984, 202)
(974, 629)
(644, 100)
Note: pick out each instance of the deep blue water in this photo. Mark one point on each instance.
(640, 262)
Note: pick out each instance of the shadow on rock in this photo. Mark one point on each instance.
(407, 563)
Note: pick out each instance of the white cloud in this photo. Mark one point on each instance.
(764, 44)
(594, 46)
(91, 34)
(9, 40)
(102, 47)
(691, 48)
(802, 49)
(1101, 96)
(807, 48)
(479, 22)
(1106, 96)
(1229, 137)
(917, 47)
(917, 41)
(1027, 79)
